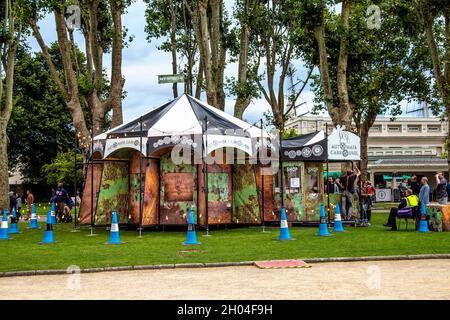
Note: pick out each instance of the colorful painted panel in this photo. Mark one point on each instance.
(135, 186)
(293, 196)
(334, 198)
(435, 214)
(85, 209)
(266, 196)
(175, 205)
(219, 194)
(114, 193)
(446, 218)
(151, 194)
(313, 190)
(245, 196)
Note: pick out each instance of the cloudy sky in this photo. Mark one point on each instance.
(142, 62)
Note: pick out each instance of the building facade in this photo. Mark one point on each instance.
(396, 149)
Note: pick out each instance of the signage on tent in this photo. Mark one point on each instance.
(133, 143)
(343, 145)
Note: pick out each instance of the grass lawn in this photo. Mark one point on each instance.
(24, 253)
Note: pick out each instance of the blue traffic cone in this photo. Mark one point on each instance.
(53, 212)
(191, 237)
(4, 227)
(284, 228)
(14, 227)
(338, 227)
(33, 219)
(114, 237)
(423, 224)
(323, 228)
(48, 235)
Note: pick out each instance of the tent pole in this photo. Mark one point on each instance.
(328, 189)
(262, 178)
(280, 161)
(92, 182)
(140, 180)
(75, 149)
(205, 168)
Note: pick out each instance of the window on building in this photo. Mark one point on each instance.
(414, 127)
(434, 128)
(375, 128)
(394, 128)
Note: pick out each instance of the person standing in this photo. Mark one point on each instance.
(441, 188)
(19, 205)
(60, 198)
(415, 185)
(424, 194)
(12, 201)
(348, 183)
(30, 201)
(331, 186)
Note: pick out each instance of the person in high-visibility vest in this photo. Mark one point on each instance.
(410, 200)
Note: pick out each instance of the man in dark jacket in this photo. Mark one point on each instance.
(60, 198)
(415, 185)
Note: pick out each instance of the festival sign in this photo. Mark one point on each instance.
(343, 145)
(120, 143)
(214, 142)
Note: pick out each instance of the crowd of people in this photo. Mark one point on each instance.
(413, 194)
(63, 203)
(347, 186)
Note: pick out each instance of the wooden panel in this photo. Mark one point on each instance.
(313, 190)
(133, 216)
(268, 207)
(220, 196)
(176, 210)
(151, 194)
(245, 196)
(114, 193)
(85, 206)
(446, 218)
(178, 187)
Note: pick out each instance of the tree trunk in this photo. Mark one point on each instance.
(173, 43)
(4, 175)
(242, 99)
(364, 135)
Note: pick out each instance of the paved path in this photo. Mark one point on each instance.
(419, 279)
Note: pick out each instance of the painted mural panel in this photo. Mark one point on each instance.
(313, 190)
(219, 194)
(114, 193)
(293, 193)
(151, 194)
(245, 196)
(135, 185)
(85, 209)
(266, 196)
(175, 205)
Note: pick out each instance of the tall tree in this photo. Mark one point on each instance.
(170, 21)
(385, 67)
(40, 126)
(10, 33)
(434, 18)
(211, 31)
(318, 20)
(101, 28)
(277, 40)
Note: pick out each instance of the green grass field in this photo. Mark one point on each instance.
(245, 244)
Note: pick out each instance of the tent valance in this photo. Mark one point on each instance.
(183, 120)
(340, 145)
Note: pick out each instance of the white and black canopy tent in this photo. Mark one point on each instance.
(180, 121)
(184, 120)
